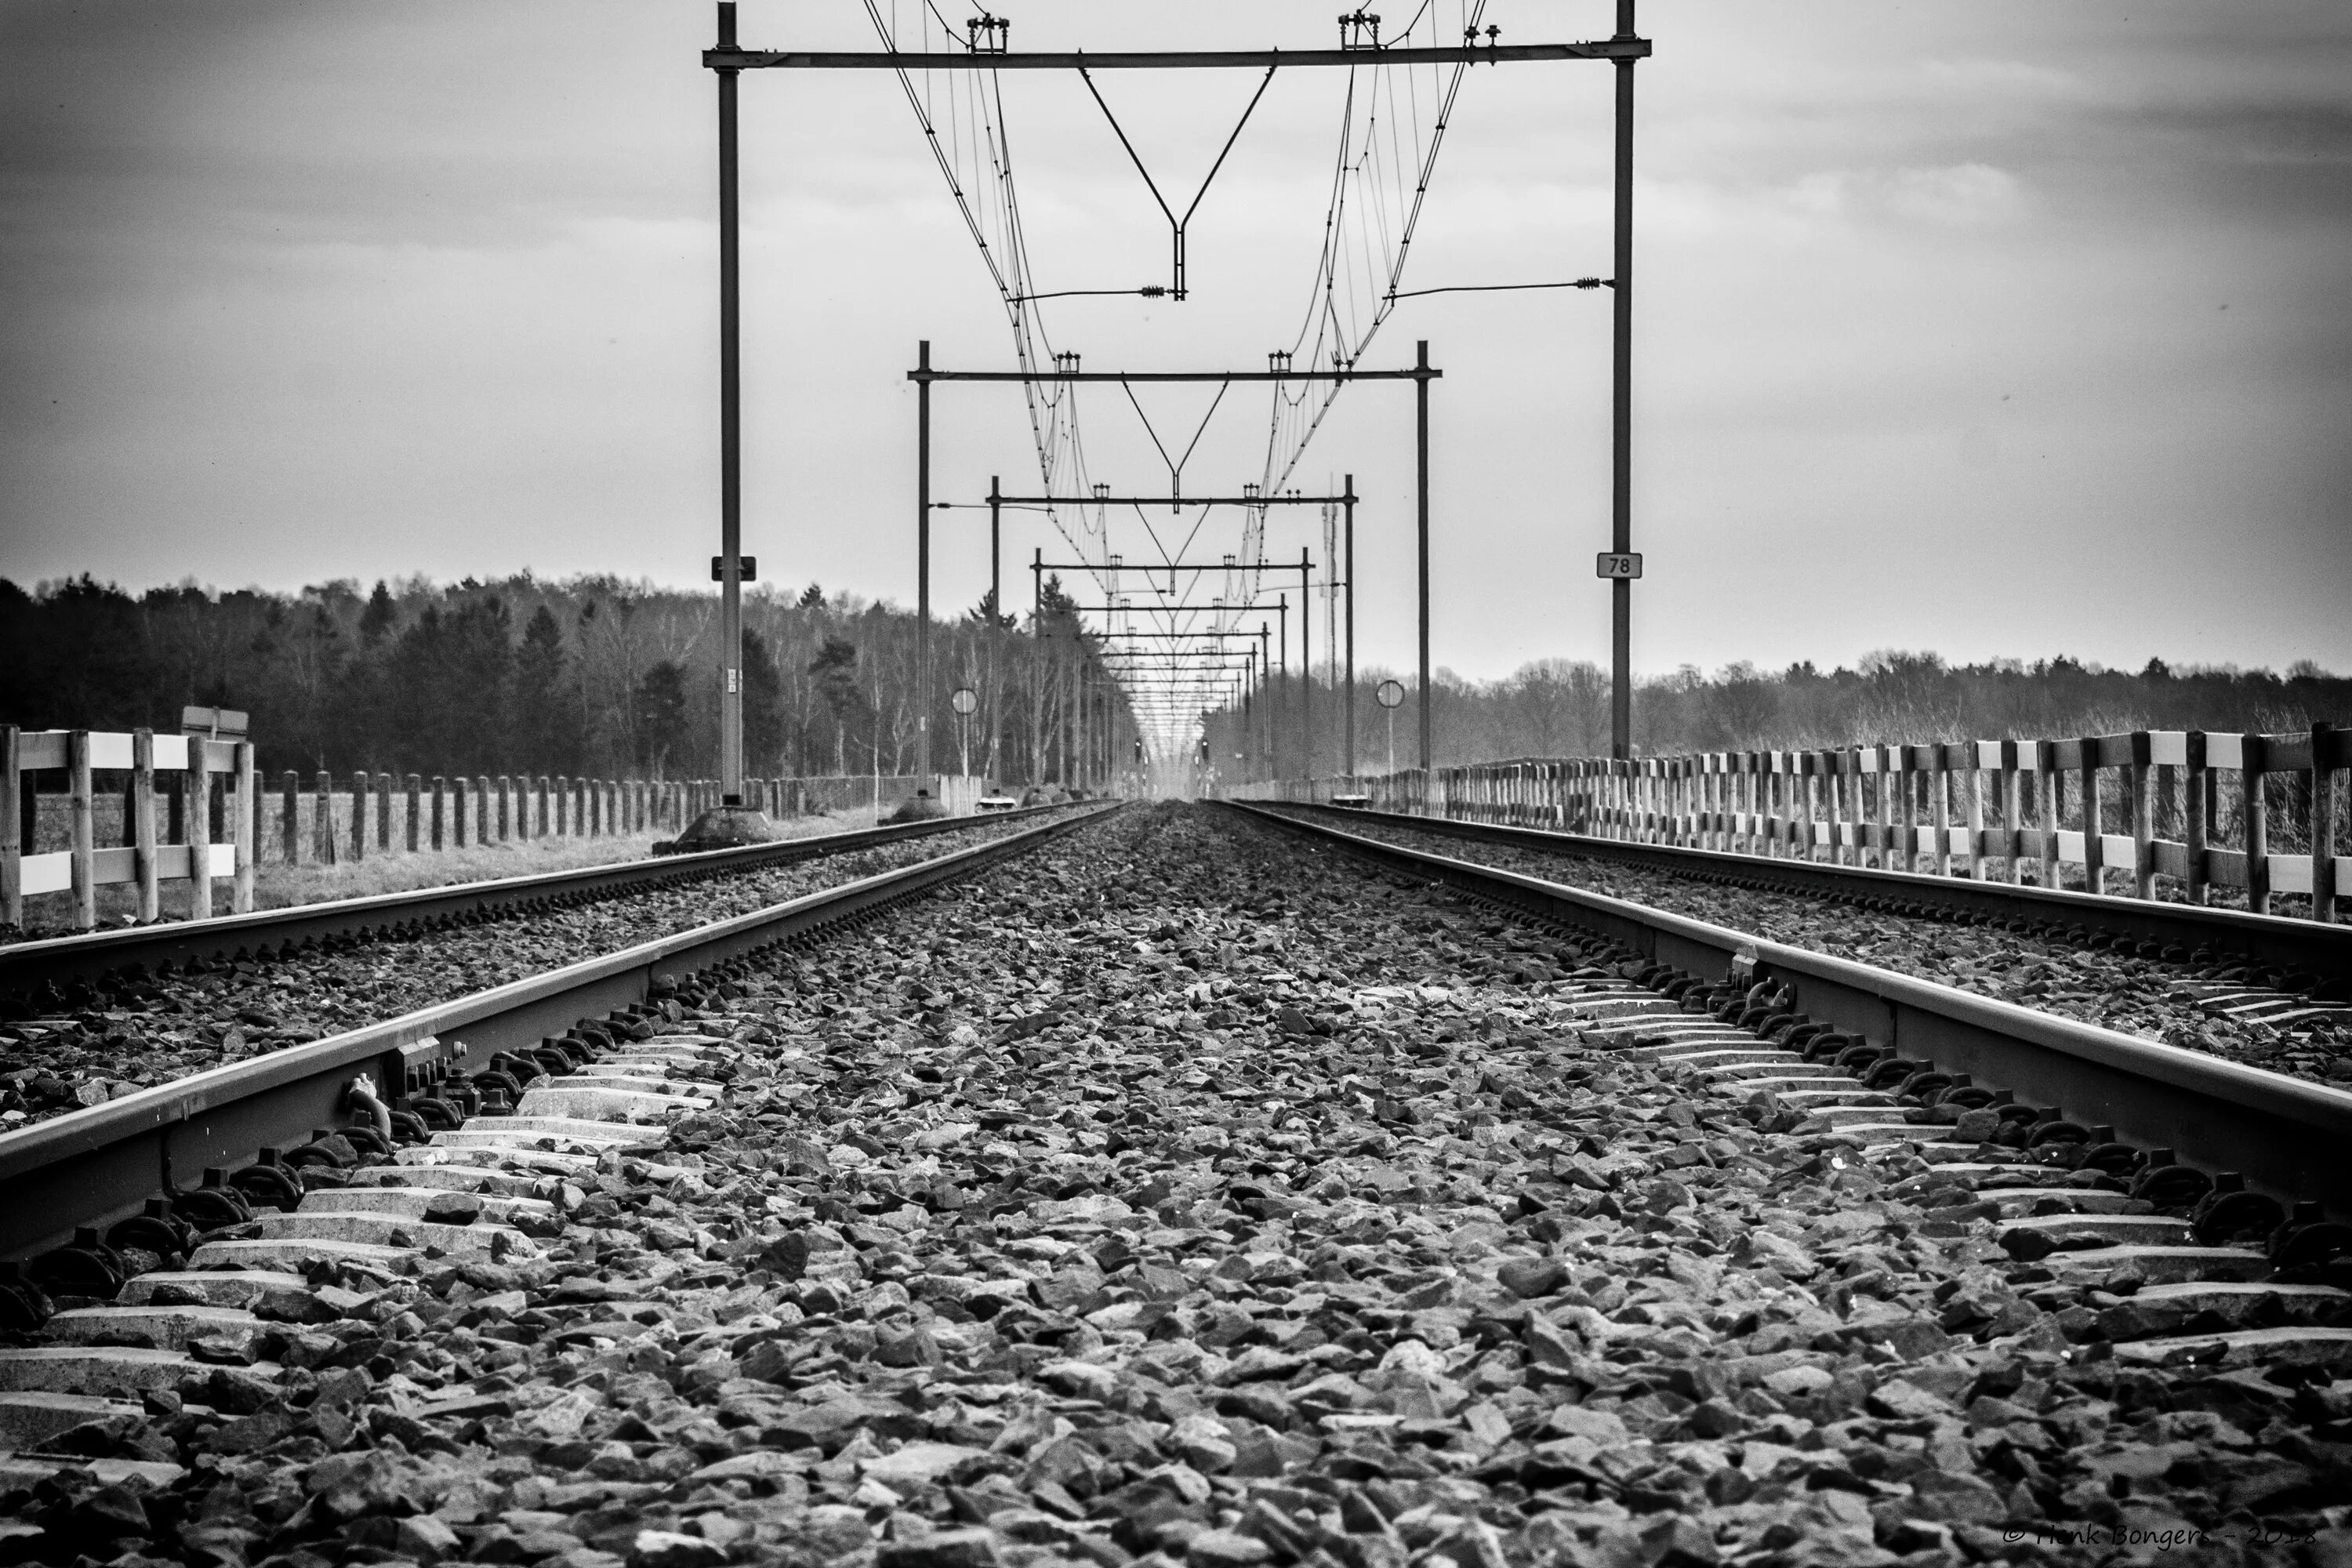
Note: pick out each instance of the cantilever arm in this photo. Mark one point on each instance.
(1176, 225)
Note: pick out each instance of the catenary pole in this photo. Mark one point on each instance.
(1349, 699)
(730, 432)
(1305, 667)
(1420, 526)
(1620, 432)
(923, 564)
(995, 623)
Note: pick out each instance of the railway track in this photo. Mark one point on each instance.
(2295, 954)
(2282, 1136)
(1208, 1188)
(2263, 992)
(86, 955)
(87, 1020)
(95, 1165)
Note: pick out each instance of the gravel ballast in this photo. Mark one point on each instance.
(1174, 1195)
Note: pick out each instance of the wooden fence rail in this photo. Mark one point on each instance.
(2264, 814)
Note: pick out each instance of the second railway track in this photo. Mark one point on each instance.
(86, 1019)
(2257, 990)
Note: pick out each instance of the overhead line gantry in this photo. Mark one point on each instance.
(727, 60)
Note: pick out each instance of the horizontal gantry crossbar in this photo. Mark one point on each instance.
(1285, 498)
(735, 60)
(1185, 375)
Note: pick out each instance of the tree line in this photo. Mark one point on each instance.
(1559, 707)
(587, 675)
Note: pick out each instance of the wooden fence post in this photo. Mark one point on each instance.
(415, 811)
(247, 785)
(2323, 822)
(1802, 779)
(1731, 802)
(2095, 859)
(2012, 826)
(1760, 802)
(504, 783)
(1940, 800)
(85, 841)
(563, 806)
(1880, 809)
(1833, 800)
(359, 817)
(482, 809)
(198, 833)
(1734, 791)
(143, 825)
(2198, 789)
(2258, 824)
(440, 784)
(323, 819)
(1972, 801)
(2045, 806)
(13, 843)
(2143, 810)
(1858, 761)
(1907, 784)
(290, 805)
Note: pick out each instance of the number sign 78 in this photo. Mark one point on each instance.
(1613, 566)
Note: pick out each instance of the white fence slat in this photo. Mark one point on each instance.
(50, 873)
(2290, 873)
(41, 749)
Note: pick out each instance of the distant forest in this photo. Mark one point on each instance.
(589, 674)
(1559, 707)
(597, 676)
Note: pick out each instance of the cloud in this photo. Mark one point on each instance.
(1965, 196)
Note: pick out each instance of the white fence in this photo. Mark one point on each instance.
(188, 766)
(1978, 808)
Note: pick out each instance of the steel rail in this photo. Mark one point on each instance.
(2276, 940)
(2285, 1136)
(27, 966)
(92, 1166)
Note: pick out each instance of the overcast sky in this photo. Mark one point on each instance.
(1993, 328)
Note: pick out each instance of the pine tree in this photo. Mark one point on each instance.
(543, 731)
(379, 617)
(660, 711)
(763, 705)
